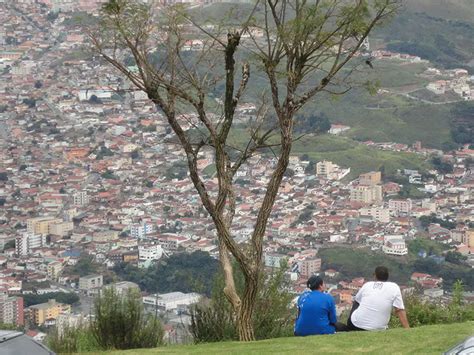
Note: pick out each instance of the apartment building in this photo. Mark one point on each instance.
(54, 269)
(41, 225)
(370, 178)
(90, 282)
(377, 213)
(80, 198)
(11, 310)
(149, 252)
(48, 311)
(400, 207)
(27, 242)
(309, 266)
(366, 194)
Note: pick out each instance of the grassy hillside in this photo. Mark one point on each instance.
(438, 30)
(357, 156)
(459, 10)
(423, 340)
(347, 153)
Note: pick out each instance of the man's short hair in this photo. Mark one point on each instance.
(314, 282)
(381, 273)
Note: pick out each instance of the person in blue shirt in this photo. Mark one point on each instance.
(316, 310)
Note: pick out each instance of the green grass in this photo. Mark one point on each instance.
(394, 119)
(433, 339)
(362, 262)
(347, 153)
(359, 157)
(429, 246)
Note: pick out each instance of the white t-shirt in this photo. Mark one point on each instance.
(376, 300)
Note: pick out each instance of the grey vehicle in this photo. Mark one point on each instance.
(464, 348)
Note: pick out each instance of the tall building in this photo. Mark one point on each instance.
(54, 269)
(310, 266)
(90, 282)
(378, 213)
(366, 194)
(141, 230)
(80, 198)
(370, 178)
(25, 243)
(41, 225)
(325, 168)
(400, 207)
(49, 310)
(330, 171)
(61, 229)
(11, 310)
(149, 252)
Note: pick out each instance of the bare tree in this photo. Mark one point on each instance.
(301, 47)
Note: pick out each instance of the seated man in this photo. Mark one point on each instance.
(316, 310)
(373, 304)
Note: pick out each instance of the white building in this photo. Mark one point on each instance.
(80, 198)
(123, 287)
(377, 213)
(330, 171)
(274, 259)
(90, 282)
(171, 301)
(337, 129)
(394, 245)
(366, 194)
(150, 252)
(400, 207)
(140, 230)
(25, 243)
(86, 94)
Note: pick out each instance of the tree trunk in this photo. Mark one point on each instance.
(245, 313)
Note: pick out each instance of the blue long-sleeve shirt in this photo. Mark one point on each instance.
(316, 314)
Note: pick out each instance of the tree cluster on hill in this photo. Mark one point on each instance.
(102, 152)
(312, 123)
(442, 166)
(84, 266)
(61, 297)
(462, 123)
(180, 272)
(427, 220)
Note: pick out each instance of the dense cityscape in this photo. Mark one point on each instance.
(93, 184)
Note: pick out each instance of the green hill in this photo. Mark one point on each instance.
(433, 339)
(438, 30)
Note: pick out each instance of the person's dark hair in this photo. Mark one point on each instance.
(314, 282)
(381, 273)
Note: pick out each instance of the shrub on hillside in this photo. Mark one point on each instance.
(72, 340)
(214, 320)
(421, 312)
(121, 323)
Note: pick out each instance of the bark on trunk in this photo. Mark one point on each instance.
(247, 308)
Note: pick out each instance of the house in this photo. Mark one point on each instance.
(337, 129)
